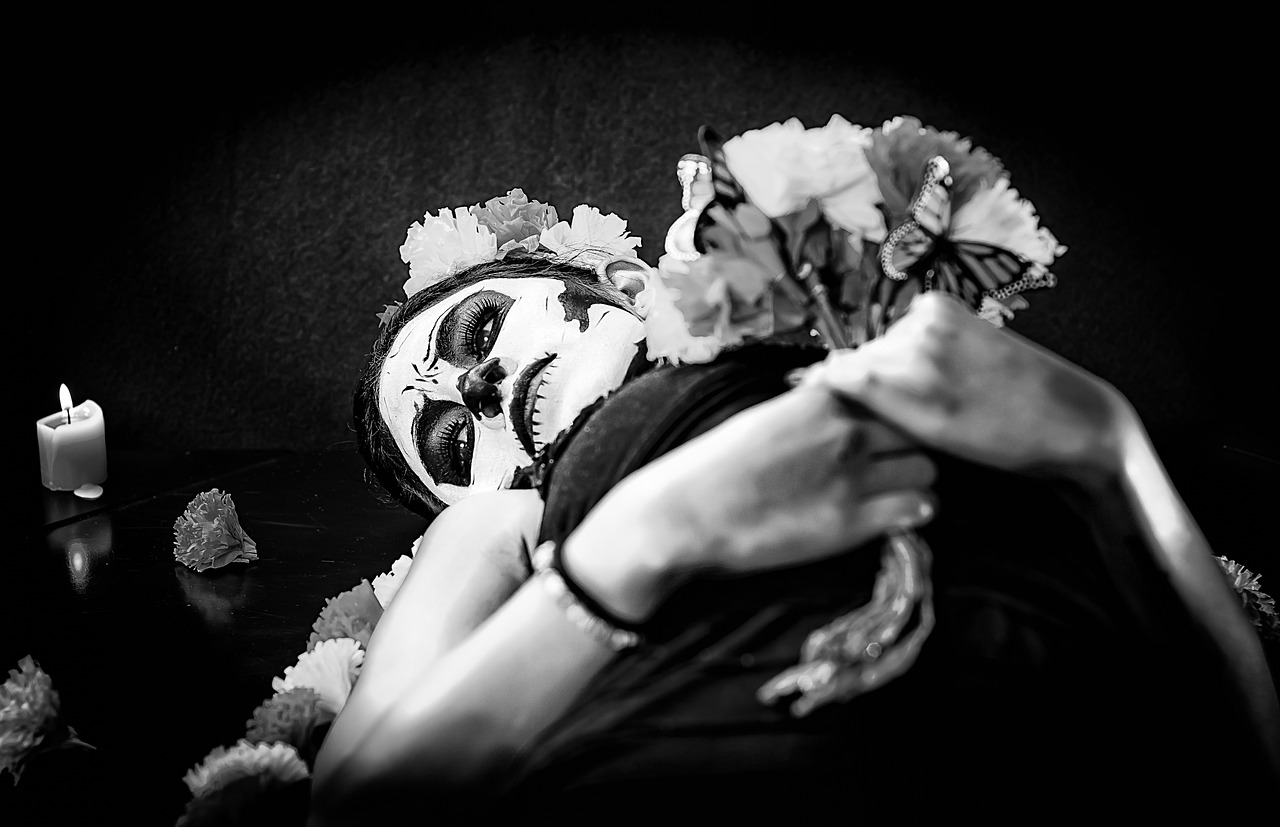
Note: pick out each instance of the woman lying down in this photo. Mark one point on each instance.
(626, 561)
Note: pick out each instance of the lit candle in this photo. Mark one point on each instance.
(73, 445)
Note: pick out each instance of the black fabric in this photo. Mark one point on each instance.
(1039, 677)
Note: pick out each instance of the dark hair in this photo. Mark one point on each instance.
(377, 445)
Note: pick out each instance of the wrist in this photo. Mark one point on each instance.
(625, 553)
(1103, 466)
(580, 607)
(1128, 494)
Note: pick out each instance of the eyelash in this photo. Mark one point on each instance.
(478, 323)
(482, 326)
(448, 458)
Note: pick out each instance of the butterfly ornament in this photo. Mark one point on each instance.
(925, 247)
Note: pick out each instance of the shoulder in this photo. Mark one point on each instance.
(510, 511)
(510, 502)
(502, 522)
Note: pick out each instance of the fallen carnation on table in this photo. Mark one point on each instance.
(208, 534)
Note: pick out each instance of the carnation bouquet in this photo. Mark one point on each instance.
(833, 230)
(825, 236)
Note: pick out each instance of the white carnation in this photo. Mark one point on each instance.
(386, 585)
(330, 669)
(590, 237)
(783, 166)
(996, 215)
(443, 244)
(277, 761)
(666, 330)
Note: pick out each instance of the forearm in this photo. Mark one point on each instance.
(629, 565)
(451, 736)
(1136, 505)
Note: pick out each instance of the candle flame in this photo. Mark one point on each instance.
(64, 396)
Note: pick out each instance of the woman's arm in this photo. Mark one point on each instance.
(471, 559)
(960, 385)
(445, 741)
(791, 480)
(1139, 504)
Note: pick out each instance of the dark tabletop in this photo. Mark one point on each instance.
(155, 664)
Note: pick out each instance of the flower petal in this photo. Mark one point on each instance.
(331, 669)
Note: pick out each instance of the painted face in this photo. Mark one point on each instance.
(475, 386)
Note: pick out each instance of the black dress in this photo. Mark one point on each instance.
(1041, 682)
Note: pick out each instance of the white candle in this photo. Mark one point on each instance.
(73, 445)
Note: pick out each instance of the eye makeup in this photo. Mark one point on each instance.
(577, 299)
(555, 344)
(444, 434)
(467, 332)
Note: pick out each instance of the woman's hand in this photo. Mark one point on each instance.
(792, 480)
(960, 385)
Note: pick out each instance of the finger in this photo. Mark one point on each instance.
(843, 363)
(896, 471)
(842, 369)
(892, 510)
(849, 373)
(811, 375)
(872, 440)
(910, 393)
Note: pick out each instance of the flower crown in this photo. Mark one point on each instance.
(452, 240)
(835, 229)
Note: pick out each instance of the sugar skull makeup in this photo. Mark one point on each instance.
(476, 385)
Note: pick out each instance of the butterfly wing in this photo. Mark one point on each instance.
(913, 245)
(968, 269)
(973, 269)
(911, 249)
(730, 221)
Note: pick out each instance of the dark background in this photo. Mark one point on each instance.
(207, 223)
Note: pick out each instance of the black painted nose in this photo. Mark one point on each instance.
(479, 388)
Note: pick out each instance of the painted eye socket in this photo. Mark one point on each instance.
(445, 435)
(468, 332)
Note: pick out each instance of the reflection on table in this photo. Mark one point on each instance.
(155, 664)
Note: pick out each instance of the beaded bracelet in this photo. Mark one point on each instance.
(546, 569)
